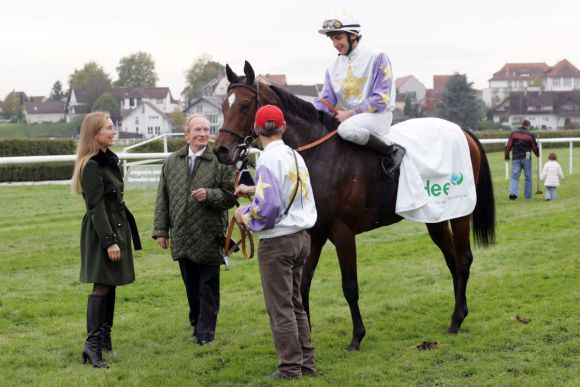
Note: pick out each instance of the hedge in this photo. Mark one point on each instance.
(157, 146)
(36, 172)
(36, 147)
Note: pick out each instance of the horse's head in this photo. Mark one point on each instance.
(239, 109)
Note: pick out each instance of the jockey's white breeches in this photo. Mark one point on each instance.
(358, 127)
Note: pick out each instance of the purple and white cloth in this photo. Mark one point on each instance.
(359, 82)
(277, 178)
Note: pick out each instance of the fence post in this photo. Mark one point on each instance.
(571, 155)
(165, 144)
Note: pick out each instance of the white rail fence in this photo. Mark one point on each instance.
(147, 158)
(541, 141)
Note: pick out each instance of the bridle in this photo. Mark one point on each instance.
(247, 140)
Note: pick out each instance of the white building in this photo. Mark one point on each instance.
(146, 120)
(544, 109)
(411, 87)
(513, 77)
(45, 111)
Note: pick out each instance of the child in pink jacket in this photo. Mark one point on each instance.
(550, 174)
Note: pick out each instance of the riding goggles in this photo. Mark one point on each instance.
(336, 24)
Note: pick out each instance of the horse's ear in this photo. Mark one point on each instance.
(249, 71)
(232, 77)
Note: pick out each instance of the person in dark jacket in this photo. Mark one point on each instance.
(106, 232)
(191, 212)
(521, 143)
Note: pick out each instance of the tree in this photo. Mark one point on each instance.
(410, 110)
(56, 93)
(12, 108)
(106, 102)
(177, 118)
(460, 103)
(202, 71)
(93, 80)
(137, 70)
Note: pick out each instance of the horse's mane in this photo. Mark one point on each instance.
(296, 106)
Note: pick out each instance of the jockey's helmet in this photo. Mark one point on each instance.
(342, 21)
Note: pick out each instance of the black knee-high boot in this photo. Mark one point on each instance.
(108, 321)
(93, 346)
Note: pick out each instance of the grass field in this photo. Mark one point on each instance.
(406, 297)
(38, 130)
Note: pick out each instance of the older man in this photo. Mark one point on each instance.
(191, 212)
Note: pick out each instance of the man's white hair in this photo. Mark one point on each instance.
(191, 117)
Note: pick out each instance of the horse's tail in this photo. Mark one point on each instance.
(483, 216)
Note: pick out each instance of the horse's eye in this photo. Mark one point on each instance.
(245, 108)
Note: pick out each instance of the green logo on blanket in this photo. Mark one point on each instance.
(436, 189)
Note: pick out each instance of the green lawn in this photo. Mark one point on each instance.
(38, 130)
(405, 297)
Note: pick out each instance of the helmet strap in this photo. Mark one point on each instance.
(349, 38)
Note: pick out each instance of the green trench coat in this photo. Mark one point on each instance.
(107, 221)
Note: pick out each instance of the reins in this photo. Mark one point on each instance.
(244, 232)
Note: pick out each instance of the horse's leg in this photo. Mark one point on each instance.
(441, 236)
(464, 258)
(316, 244)
(344, 241)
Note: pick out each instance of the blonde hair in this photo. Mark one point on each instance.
(88, 145)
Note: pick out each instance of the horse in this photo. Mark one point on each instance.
(352, 192)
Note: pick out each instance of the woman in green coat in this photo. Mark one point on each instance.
(106, 233)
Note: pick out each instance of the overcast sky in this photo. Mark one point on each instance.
(45, 41)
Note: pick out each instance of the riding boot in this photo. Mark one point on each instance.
(392, 153)
(108, 321)
(93, 345)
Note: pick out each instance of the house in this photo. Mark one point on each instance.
(410, 87)
(147, 120)
(434, 96)
(128, 98)
(44, 111)
(211, 107)
(544, 109)
(131, 97)
(563, 76)
(217, 87)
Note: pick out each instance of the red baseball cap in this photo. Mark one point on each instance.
(269, 113)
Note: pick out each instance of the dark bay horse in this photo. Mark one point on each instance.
(352, 193)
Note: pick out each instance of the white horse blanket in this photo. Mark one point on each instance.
(436, 181)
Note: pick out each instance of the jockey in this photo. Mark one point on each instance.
(360, 86)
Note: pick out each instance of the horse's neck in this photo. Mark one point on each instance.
(300, 133)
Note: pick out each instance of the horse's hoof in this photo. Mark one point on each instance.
(354, 347)
(453, 330)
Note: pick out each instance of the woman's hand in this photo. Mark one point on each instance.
(114, 252)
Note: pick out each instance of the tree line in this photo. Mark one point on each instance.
(459, 103)
(134, 70)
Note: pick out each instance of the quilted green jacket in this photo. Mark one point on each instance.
(195, 229)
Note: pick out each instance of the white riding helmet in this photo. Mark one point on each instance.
(343, 21)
